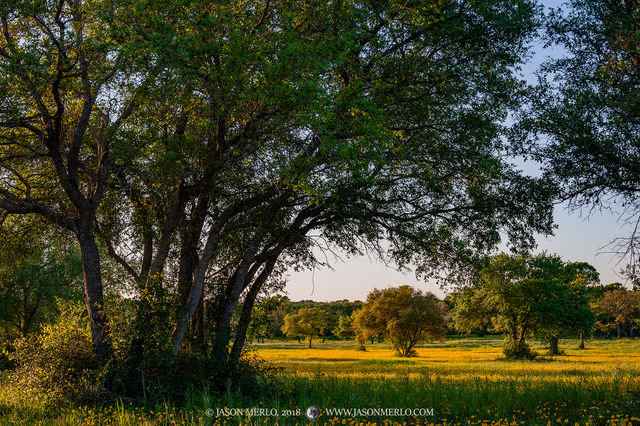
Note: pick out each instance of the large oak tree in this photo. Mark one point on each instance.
(277, 128)
(70, 82)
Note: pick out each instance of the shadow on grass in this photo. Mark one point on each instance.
(388, 362)
(330, 359)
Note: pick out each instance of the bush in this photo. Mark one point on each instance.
(58, 365)
(249, 376)
(519, 350)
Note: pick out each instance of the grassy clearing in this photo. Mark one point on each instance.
(463, 381)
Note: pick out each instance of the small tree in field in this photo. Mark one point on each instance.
(504, 295)
(406, 316)
(307, 322)
(348, 328)
(344, 330)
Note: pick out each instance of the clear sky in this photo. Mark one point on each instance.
(579, 238)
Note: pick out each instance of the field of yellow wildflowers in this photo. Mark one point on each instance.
(461, 381)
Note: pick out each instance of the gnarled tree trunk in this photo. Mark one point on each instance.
(93, 290)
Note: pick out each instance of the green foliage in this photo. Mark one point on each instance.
(570, 311)
(354, 122)
(142, 350)
(584, 112)
(345, 327)
(197, 370)
(518, 350)
(617, 308)
(405, 315)
(58, 365)
(267, 317)
(37, 266)
(307, 322)
(6, 360)
(525, 295)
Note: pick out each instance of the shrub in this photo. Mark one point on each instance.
(250, 376)
(519, 350)
(58, 365)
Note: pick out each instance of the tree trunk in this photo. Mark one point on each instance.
(309, 342)
(581, 345)
(198, 323)
(235, 285)
(189, 238)
(93, 291)
(619, 331)
(245, 316)
(371, 340)
(299, 339)
(553, 345)
(197, 288)
(630, 326)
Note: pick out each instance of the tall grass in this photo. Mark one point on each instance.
(600, 385)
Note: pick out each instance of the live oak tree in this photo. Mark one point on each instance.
(570, 309)
(618, 308)
(405, 316)
(349, 327)
(363, 330)
(389, 131)
(70, 83)
(257, 131)
(584, 112)
(344, 330)
(263, 318)
(523, 295)
(307, 322)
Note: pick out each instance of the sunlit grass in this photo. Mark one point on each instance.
(465, 381)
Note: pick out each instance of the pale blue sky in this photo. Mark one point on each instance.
(579, 237)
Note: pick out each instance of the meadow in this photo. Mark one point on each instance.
(460, 381)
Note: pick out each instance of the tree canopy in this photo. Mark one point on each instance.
(523, 295)
(406, 316)
(617, 308)
(584, 113)
(307, 322)
(206, 147)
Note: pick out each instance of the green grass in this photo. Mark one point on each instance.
(464, 381)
